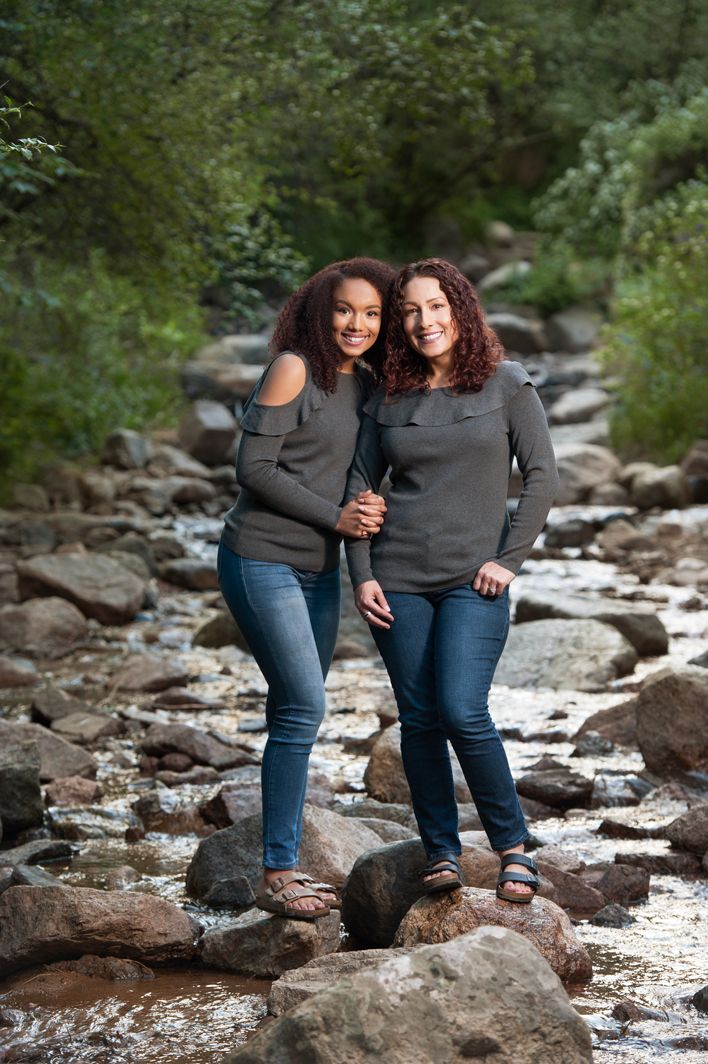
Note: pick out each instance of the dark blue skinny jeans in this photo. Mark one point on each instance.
(289, 618)
(441, 652)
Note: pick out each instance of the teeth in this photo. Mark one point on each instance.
(429, 338)
(353, 339)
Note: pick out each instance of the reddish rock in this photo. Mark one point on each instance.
(17, 672)
(98, 585)
(148, 672)
(57, 757)
(72, 791)
(43, 628)
(264, 946)
(672, 720)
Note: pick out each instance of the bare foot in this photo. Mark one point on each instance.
(299, 904)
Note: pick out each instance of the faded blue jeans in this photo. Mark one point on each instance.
(441, 652)
(289, 618)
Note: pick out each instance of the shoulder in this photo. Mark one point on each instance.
(509, 376)
(283, 380)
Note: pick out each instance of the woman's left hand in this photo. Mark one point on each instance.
(492, 579)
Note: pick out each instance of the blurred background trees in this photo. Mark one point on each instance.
(168, 168)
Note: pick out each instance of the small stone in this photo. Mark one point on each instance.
(613, 915)
(592, 744)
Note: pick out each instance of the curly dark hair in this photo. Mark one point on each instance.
(477, 350)
(304, 324)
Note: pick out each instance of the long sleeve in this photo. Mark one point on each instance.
(367, 471)
(258, 471)
(531, 444)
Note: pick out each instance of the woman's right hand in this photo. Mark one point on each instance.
(362, 516)
(371, 604)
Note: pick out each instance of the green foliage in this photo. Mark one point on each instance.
(559, 278)
(655, 347)
(84, 350)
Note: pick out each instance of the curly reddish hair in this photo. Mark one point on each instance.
(477, 349)
(304, 324)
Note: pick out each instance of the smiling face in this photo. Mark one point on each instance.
(356, 317)
(428, 323)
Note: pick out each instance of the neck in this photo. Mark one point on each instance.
(440, 372)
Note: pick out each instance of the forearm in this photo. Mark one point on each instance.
(367, 472)
(258, 471)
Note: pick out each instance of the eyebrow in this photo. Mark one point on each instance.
(411, 303)
(371, 306)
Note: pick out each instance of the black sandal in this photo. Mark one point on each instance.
(517, 877)
(442, 884)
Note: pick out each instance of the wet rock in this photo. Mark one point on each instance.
(700, 1000)
(87, 728)
(191, 573)
(574, 329)
(99, 586)
(542, 923)
(619, 882)
(121, 878)
(701, 660)
(581, 468)
(641, 628)
(42, 924)
(617, 724)
(72, 791)
(197, 775)
(672, 720)
(231, 804)
(52, 703)
(38, 850)
(220, 631)
(126, 449)
(613, 915)
(225, 865)
(263, 946)
(207, 431)
(385, 779)
(20, 794)
(592, 744)
(202, 748)
(436, 1005)
(148, 672)
(559, 788)
(522, 335)
(32, 876)
(618, 829)
(17, 672)
(98, 822)
(11, 1017)
(581, 404)
(571, 892)
(115, 969)
(57, 757)
(574, 532)
(690, 830)
(617, 789)
(162, 811)
(569, 654)
(667, 488)
(300, 984)
(687, 865)
(46, 628)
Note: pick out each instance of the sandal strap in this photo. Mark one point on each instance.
(518, 877)
(288, 894)
(443, 865)
(519, 858)
(276, 885)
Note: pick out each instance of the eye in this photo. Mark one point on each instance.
(438, 306)
(342, 310)
(373, 313)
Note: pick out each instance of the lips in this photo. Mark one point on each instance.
(430, 338)
(355, 341)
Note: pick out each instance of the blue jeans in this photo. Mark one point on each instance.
(289, 618)
(441, 652)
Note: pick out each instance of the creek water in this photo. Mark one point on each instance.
(194, 1016)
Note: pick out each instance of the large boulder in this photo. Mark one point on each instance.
(44, 628)
(226, 865)
(207, 431)
(582, 467)
(578, 405)
(385, 778)
(641, 628)
(300, 984)
(667, 487)
(263, 946)
(487, 995)
(690, 830)
(41, 924)
(57, 756)
(672, 720)
(126, 449)
(523, 335)
(574, 329)
(618, 724)
(575, 655)
(542, 922)
(98, 585)
(20, 793)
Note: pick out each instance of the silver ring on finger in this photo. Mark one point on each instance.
(366, 614)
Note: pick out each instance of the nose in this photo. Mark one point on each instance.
(358, 321)
(426, 317)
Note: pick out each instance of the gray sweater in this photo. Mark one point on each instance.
(450, 460)
(292, 467)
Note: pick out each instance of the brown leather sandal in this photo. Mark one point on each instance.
(325, 888)
(280, 893)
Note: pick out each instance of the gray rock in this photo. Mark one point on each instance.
(672, 720)
(52, 703)
(579, 405)
(43, 628)
(32, 876)
(20, 793)
(581, 468)
(522, 335)
(614, 789)
(263, 946)
(570, 654)
(39, 850)
(613, 915)
(574, 532)
(202, 748)
(559, 788)
(385, 779)
(17, 672)
(87, 728)
(247, 348)
(574, 329)
(440, 1004)
(191, 573)
(173, 462)
(641, 628)
(700, 1000)
(370, 807)
(220, 631)
(690, 830)
(388, 830)
(592, 744)
(30, 497)
(207, 431)
(57, 757)
(503, 276)
(622, 883)
(99, 586)
(148, 672)
(126, 450)
(667, 487)
(219, 381)
(616, 724)
(300, 984)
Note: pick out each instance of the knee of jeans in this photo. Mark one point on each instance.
(471, 723)
(300, 720)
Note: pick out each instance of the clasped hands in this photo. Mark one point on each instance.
(362, 516)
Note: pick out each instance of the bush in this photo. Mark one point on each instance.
(558, 279)
(84, 351)
(655, 347)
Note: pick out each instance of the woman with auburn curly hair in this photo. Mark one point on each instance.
(433, 584)
(278, 560)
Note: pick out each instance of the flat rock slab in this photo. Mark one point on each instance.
(300, 984)
(41, 924)
(574, 655)
(542, 922)
(39, 850)
(52, 703)
(148, 672)
(98, 585)
(471, 999)
(641, 628)
(263, 945)
(57, 756)
(672, 720)
(204, 749)
(559, 788)
(86, 727)
(44, 628)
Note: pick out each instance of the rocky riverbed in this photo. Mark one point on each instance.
(132, 729)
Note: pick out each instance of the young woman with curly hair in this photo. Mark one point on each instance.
(278, 559)
(434, 583)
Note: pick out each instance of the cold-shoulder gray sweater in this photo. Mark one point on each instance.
(450, 458)
(292, 467)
